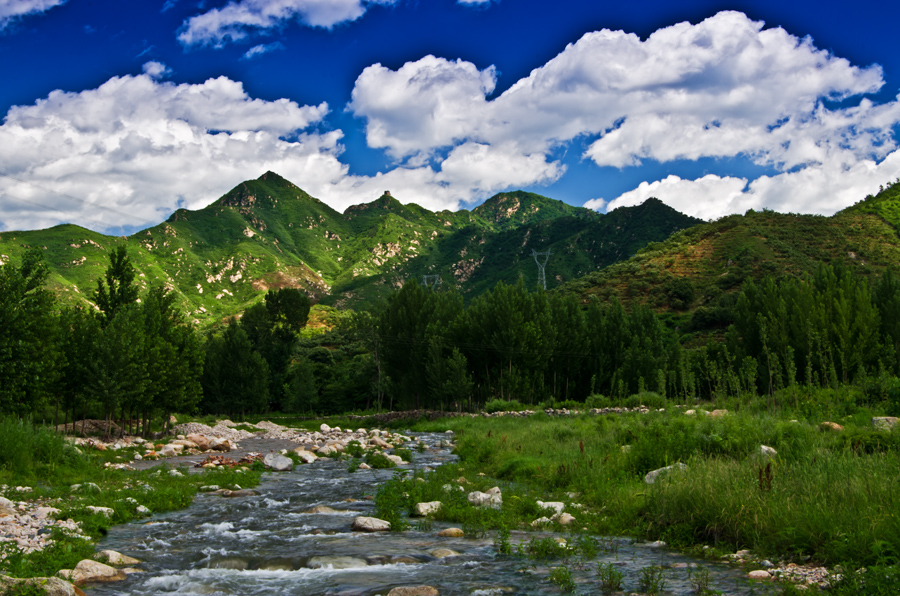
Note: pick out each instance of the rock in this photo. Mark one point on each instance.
(365, 466)
(336, 562)
(451, 533)
(322, 510)
(217, 444)
(653, 476)
(414, 591)
(88, 571)
(760, 574)
(305, 456)
(325, 428)
(885, 422)
(51, 586)
(833, 426)
(541, 521)
(564, 519)
(236, 563)
(398, 461)
(424, 509)
(7, 507)
(327, 450)
(209, 488)
(142, 510)
(718, 413)
(175, 473)
(440, 553)
(492, 498)
(278, 463)
(114, 558)
(244, 492)
(690, 412)
(767, 452)
(370, 524)
(199, 440)
(137, 457)
(45, 512)
(168, 451)
(186, 443)
(379, 442)
(108, 512)
(555, 506)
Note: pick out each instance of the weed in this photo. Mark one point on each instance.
(378, 460)
(353, 465)
(404, 454)
(700, 579)
(544, 548)
(651, 580)
(390, 502)
(424, 525)
(502, 542)
(586, 546)
(562, 577)
(610, 577)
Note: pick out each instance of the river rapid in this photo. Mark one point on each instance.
(271, 544)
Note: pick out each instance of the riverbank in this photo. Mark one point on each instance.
(788, 488)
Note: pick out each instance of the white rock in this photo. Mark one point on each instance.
(325, 428)
(108, 512)
(488, 499)
(278, 462)
(653, 476)
(305, 456)
(397, 460)
(371, 524)
(564, 519)
(760, 574)
(115, 558)
(555, 506)
(767, 452)
(424, 509)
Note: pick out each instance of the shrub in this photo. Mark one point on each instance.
(500, 405)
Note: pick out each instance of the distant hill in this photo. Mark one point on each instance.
(269, 233)
(701, 267)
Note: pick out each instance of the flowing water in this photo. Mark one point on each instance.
(271, 545)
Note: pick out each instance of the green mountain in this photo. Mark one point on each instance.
(268, 233)
(701, 267)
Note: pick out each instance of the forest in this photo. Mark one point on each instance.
(135, 358)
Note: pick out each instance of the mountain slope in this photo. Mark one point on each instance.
(269, 233)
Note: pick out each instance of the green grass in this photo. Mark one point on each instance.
(831, 496)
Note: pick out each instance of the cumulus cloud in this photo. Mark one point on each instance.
(156, 70)
(238, 19)
(134, 142)
(10, 10)
(822, 188)
(725, 87)
(259, 50)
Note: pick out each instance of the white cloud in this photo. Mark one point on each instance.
(259, 50)
(134, 142)
(156, 70)
(595, 204)
(11, 10)
(473, 2)
(238, 19)
(822, 188)
(724, 87)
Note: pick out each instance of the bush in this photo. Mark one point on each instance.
(501, 405)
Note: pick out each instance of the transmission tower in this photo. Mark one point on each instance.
(431, 281)
(542, 276)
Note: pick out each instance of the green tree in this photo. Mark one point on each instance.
(119, 288)
(235, 377)
(29, 353)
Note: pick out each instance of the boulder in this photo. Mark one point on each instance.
(885, 422)
(7, 507)
(305, 456)
(414, 591)
(379, 442)
(492, 498)
(278, 463)
(541, 521)
(370, 524)
(718, 413)
(564, 519)
(108, 512)
(760, 574)
(114, 558)
(45, 512)
(325, 428)
(555, 506)
(653, 476)
(200, 441)
(424, 509)
(833, 426)
(767, 452)
(440, 553)
(169, 451)
(397, 460)
(217, 444)
(336, 562)
(451, 533)
(51, 586)
(88, 571)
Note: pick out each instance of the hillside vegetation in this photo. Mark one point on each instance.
(269, 234)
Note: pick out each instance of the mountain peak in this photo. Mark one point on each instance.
(519, 207)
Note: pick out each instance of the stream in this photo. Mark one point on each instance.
(270, 544)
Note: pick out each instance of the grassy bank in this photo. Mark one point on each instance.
(828, 496)
(44, 463)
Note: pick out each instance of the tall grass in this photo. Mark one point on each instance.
(27, 450)
(833, 496)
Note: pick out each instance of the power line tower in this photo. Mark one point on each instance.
(542, 276)
(431, 281)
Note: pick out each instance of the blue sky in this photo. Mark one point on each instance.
(116, 113)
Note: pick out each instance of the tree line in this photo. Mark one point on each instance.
(134, 357)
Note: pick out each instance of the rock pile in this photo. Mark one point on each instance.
(28, 524)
